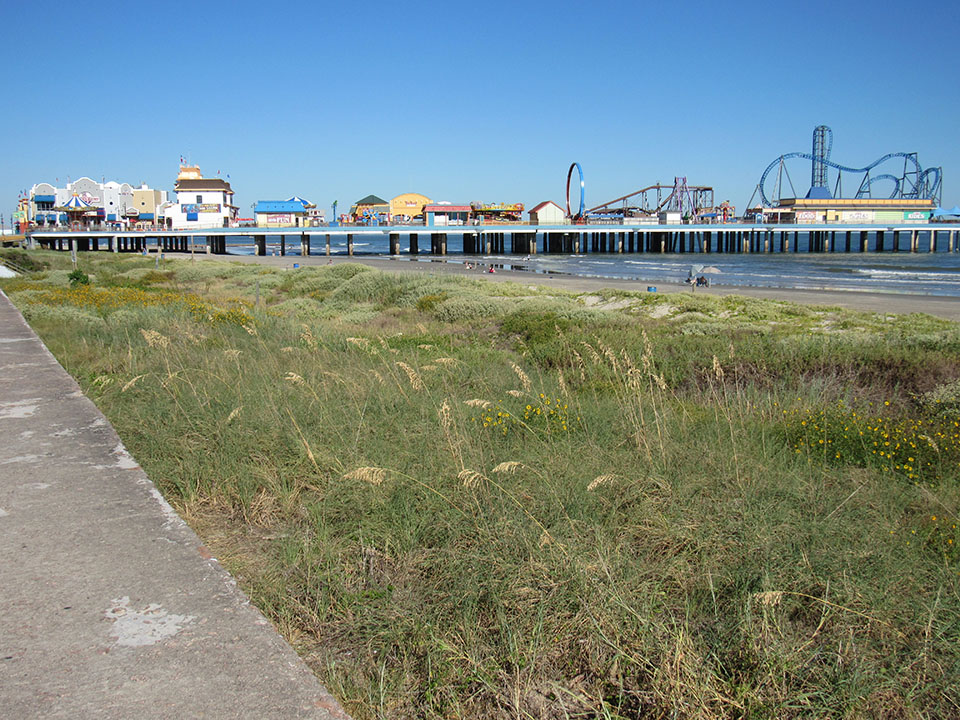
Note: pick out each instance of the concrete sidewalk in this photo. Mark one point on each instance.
(109, 605)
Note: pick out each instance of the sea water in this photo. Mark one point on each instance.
(920, 273)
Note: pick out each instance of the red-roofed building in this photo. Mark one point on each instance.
(442, 215)
(548, 213)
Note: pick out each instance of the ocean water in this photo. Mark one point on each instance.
(920, 273)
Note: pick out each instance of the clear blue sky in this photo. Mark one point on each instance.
(481, 101)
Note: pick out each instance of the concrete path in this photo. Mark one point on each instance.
(109, 605)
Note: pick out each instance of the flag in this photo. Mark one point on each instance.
(218, 172)
(181, 159)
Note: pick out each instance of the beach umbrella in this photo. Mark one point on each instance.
(710, 269)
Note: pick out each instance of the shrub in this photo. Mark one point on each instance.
(78, 277)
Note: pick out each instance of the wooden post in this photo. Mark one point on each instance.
(933, 240)
(414, 244)
(328, 244)
(394, 243)
(349, 244)
(283, 245)
(304, 245)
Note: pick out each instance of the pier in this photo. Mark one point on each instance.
(523, 239)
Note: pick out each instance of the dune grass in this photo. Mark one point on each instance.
(458, 501)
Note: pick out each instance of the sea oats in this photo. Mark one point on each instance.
(477, 402)
(429, 367)
(426, 347)
(287, 349)
(130, 383)
(251, 330)
(415, 381)
(445, 361)
(470, 478)
(155, 339)
(371, 475)
(524, 379)
(234, 413)
(307, 337)
(717, 369)
(769, 598)
(443, 412)
(508, 467)
(232, 353)
(292, 377)
(600, 480)
(359, 342)
(594, 355)
(515, 393)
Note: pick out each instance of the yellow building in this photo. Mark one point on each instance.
(408, 205)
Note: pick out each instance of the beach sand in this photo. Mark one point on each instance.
(890, 303)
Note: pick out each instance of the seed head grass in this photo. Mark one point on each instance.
(618, 515)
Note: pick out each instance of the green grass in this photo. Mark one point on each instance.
(458, 502)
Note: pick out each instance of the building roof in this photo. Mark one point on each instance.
(544, 204)
(279, 206)
(447, 208)
(371, 200)
(202, 184)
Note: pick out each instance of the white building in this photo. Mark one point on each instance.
(548, 213)
(201, 202)
(110, 202)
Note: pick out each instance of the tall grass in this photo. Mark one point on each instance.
(548, 514)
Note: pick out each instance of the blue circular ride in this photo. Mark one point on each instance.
(580, 212)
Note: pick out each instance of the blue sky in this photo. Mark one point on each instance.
(482, 101)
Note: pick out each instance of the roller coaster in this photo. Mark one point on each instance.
(913, 182)
(690, 200)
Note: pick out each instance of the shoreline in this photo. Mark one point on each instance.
(895, 303)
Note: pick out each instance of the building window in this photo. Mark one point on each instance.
(199, 199)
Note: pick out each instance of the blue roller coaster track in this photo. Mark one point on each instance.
(914, 182)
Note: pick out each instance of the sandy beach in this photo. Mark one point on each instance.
(944, 307)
